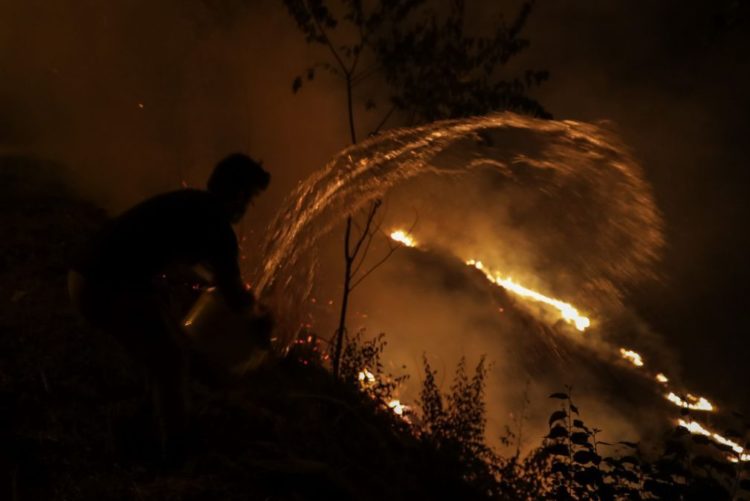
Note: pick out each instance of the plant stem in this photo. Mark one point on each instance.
(338, 346)
(350, 108)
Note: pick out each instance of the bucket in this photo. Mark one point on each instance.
(238, 341)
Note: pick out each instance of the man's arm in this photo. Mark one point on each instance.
(227, 272)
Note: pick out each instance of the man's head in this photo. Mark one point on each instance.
(236, 180)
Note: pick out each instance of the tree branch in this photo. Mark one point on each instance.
(327, 41)
(373, 268)
(383, 121)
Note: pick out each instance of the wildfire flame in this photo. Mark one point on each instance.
(662, 378)
(567, 311)
(404, 238)
(367, 380)
(692, 402)
(696, 429)
(632, 357)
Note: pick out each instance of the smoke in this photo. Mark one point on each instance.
(560, 206)
(137, 97)
(672, 75)
(429, 303)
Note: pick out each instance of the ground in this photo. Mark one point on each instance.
(75, 422)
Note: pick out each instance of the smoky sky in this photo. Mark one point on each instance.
(673, 77)
(135, 97)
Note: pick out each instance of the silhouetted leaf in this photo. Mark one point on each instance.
(612, 461)
(606, 492)
(557, 416)
(629, 475)
(578, 423)
(296, 84)
(629, 459)
(574, 408)
(561, 396)
(558, 432)
(559, 468)
(583, 457)
(587, 476)
(580, 438)
(558, 449)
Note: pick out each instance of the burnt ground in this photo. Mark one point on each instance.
(75, 421)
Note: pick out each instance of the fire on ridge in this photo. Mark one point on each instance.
(571, 315)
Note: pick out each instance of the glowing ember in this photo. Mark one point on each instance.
(691, 402)
(662, 378)
(403, 238)
(632, 357)
(697, 429)
(366, 378)
(398, 407)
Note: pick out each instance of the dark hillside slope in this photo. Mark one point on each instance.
(74, 420)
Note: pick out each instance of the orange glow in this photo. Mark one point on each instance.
(366, 378)
(696, 429)
(567, 311)
(691, 402)
(403, 238)
(632, 357)
(397, 407)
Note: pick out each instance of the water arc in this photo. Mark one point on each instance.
(581, 174)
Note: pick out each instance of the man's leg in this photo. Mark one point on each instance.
(167, 364)
(152, 338)
(142, 323)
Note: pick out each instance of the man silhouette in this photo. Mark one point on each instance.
(119, 283)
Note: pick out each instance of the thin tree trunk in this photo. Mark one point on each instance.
(339, 344)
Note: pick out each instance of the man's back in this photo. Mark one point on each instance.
(180, 227)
